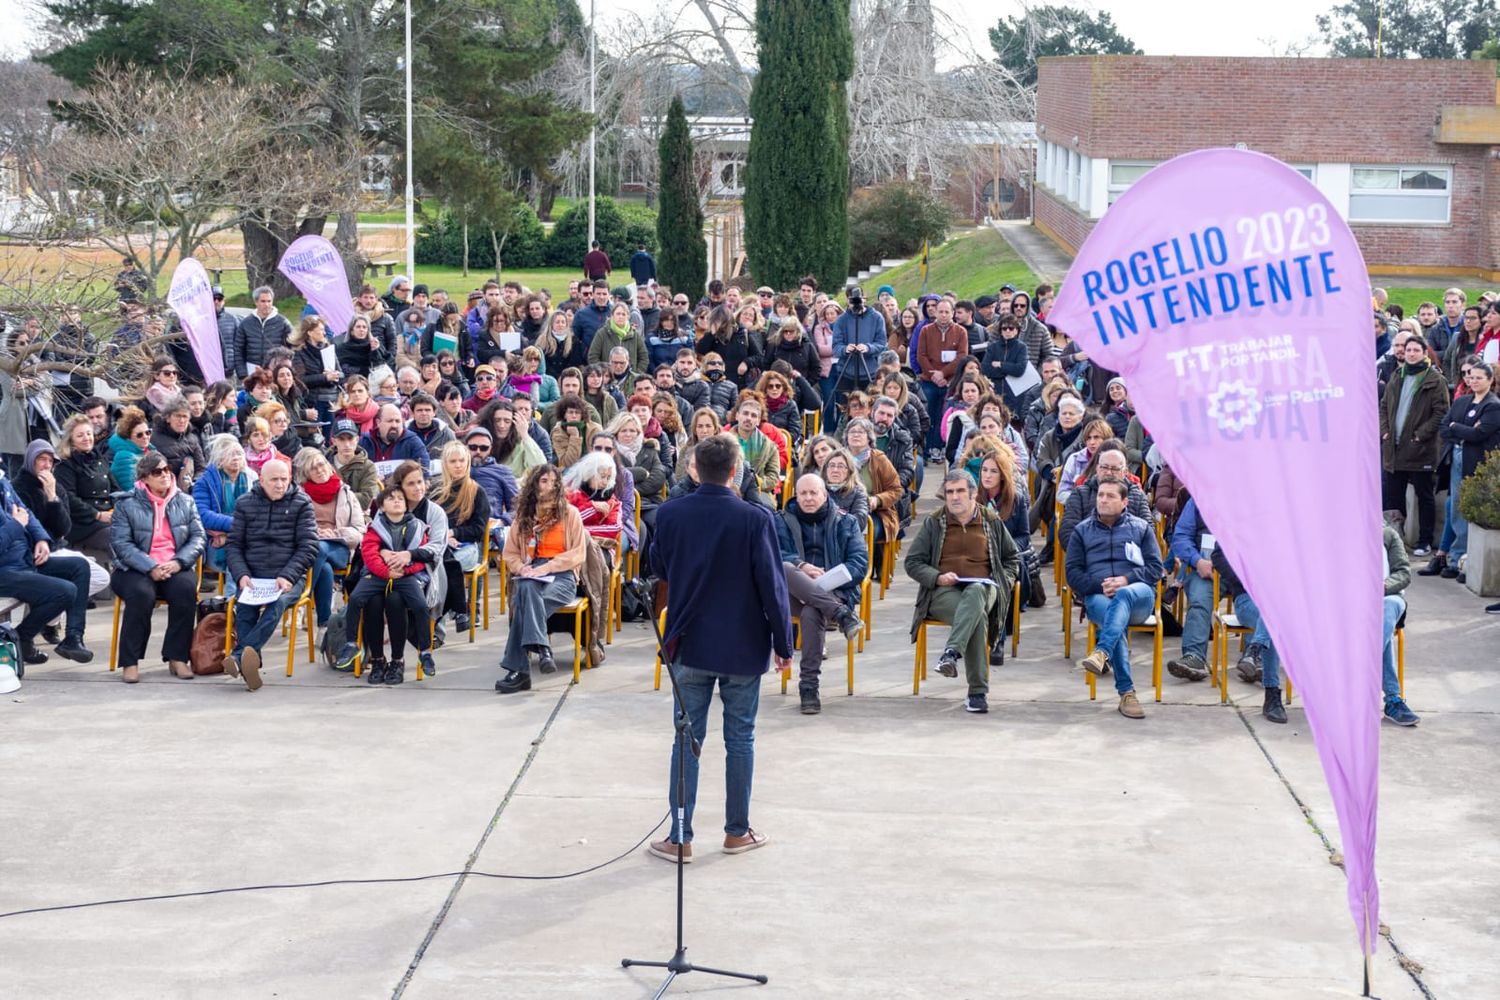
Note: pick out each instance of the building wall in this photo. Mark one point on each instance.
(1304, 111)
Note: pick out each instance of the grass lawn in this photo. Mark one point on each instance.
(399, 215)
(1410, 298)
(973, 264)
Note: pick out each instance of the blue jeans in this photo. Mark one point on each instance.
(741, 697)
(1390, 684)
(332, 555)
(1270, 661)
(1131, 605)
(934, 394)
(1455, 528)
(254, 623)
(59, 585)
(1198, 621)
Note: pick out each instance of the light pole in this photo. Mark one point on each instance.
(593, 125)
(411, 237)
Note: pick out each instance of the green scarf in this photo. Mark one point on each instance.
(621, 332)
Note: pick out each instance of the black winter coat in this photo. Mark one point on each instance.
(358, 357)
(175, 448)
(85, 477)
(54, 516)
(273, 538)
(1477, 428)
(800, 354)
(254, 337)
(307, 363)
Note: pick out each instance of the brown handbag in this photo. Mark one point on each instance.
(207, 651)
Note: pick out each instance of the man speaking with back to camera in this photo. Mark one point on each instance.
(726, 614)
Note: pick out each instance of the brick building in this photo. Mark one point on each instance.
(1407, 150)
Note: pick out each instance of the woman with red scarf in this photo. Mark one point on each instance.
(341, 523)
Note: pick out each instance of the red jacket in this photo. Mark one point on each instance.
(606, 525)
(377, 538)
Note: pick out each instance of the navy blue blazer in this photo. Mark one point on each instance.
(727, 605)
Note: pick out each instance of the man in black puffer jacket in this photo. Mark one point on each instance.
(259, 332)
(274, 537)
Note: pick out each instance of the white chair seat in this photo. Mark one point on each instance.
(1229, 620)
(1150, 622)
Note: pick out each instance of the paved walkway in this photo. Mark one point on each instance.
(1048, 849)
(1047, 260)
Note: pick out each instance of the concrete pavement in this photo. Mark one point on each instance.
(1048, 849)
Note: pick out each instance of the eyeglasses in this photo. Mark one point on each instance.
(485, 378)
(481, 448)
(140, 434)
(604, 448)
(1111, 468)
(168, 371)
(160, 470)
(679, 302)
(1019, 307)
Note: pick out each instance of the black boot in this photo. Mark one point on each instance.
(1435, 565)
(544, 661)
(30, 655)
(396, 672)
(1273, 709)
(50, 635)
(375, 672)
(72, 648)
(810, 703)
(513, 681)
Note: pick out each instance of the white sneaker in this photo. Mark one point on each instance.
(1422, 551)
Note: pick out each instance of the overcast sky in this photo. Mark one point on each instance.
(1159, 27)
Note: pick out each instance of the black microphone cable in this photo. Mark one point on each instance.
(340, 881)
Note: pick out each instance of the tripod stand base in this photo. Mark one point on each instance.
(680, 966)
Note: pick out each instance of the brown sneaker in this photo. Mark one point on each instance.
(250, 667)
(667, 851)
(1096, 663)
(231, 666)
(749, 842)
(1130, 706)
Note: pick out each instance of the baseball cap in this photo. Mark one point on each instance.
(477, 430)
(218, 291)
(484, 370)
(345, 426)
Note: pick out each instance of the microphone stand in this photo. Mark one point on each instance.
(678, 965)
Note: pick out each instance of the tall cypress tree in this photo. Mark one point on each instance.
(683, 262)
(797, 170)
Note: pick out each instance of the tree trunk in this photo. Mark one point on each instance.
(497, 243)
(466, 246)
(346, 240)
(267, 236)
(544, 201)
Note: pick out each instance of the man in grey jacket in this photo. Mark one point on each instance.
(258, 332)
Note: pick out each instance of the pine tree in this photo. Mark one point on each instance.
(683, 262)
(797, 170)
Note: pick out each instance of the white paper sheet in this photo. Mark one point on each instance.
(259, 592)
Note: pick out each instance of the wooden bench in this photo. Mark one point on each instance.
(219, 271)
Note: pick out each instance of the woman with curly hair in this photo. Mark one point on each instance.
(544, 551)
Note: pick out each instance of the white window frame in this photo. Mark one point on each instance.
(1414, 193)
(1115, 190)
(1308, 170)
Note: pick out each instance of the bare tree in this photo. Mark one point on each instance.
(924, 102)
(64, 298)
(163, 164)
(27, 129)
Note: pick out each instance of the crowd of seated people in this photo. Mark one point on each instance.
(382, 461)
